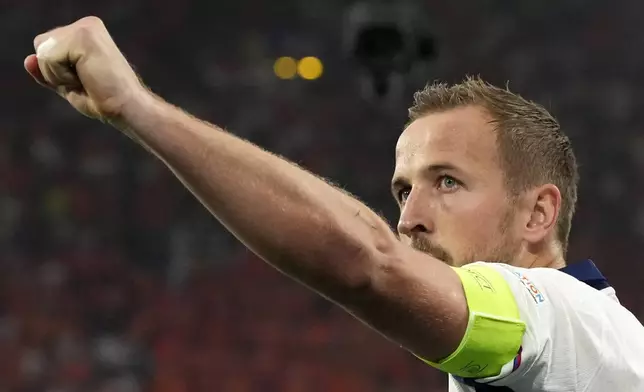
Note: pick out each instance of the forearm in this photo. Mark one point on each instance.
(289, 217)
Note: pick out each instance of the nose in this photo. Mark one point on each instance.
(415, 216)
(409, 227)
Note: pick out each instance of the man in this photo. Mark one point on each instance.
(486, 185)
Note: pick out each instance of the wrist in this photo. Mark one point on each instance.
(135, 110)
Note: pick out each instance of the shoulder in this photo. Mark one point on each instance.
(537, 282)
(548, 296)
(570, 326)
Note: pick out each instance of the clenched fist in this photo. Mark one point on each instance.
(82, 64)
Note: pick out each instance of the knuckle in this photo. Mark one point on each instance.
(84, 36)
(84, 29)
(39, 39)
(89, 26)
(93, 21)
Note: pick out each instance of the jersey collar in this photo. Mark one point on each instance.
(587, 272)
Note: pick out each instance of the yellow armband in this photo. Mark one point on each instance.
(494, 331)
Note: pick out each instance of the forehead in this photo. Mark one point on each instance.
(462, 137)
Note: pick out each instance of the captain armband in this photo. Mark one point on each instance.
(494, 331)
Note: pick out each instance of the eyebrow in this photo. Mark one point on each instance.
(401, 181)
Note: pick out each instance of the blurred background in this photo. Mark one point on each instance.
(113, 278)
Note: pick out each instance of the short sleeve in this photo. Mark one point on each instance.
(571, 333)
(542, 329)
(495, 329)
(537, 311)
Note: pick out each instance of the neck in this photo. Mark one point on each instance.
(547, 258)
(547, 262)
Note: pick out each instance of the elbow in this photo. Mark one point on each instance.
(368, 261)
(353, 257)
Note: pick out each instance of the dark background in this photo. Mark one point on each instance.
(113, 278)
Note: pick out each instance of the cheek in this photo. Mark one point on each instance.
(471, 216)
(472, 206)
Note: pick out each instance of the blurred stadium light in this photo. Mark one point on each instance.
(285, 67)
(310, 68)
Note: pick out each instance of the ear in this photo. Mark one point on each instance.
(545, 203)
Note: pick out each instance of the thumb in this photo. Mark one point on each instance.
(31, 65)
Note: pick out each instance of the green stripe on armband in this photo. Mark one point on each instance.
(494, 331)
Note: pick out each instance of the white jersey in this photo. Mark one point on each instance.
(578, 337)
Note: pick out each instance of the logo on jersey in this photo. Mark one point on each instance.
(532, 289)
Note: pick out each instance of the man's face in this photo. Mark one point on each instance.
(450, 187)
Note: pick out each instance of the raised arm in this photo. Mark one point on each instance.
(292, 219)
(308, 229)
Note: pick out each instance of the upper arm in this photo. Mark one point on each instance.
(413, 299)
(464, 321)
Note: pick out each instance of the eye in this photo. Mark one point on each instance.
(448, 183)
(403, 194)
